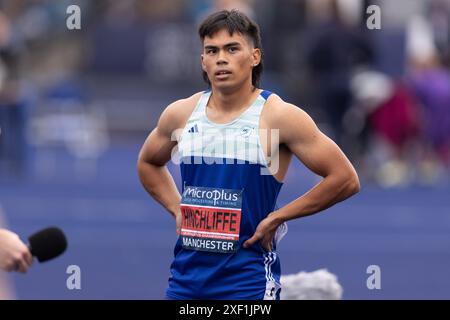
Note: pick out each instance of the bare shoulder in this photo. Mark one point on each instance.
(291, 120)
(177, 113)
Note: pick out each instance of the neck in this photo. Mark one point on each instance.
(229, 100)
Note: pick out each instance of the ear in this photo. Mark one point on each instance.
(203, 64)
(256, 57)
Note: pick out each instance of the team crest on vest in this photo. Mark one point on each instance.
(246, 131)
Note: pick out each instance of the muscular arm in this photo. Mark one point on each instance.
(153, 173)
(322, 156)
(156, 152)
(154, 155)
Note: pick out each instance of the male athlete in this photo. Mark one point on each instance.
(234, 143)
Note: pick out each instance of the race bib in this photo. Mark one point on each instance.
(211, 219)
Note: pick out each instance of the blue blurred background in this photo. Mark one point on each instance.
(76, 106)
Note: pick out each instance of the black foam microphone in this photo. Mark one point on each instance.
(47, 243)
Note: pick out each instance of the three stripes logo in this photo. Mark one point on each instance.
(193, 129)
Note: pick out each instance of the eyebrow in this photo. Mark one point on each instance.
(231, 44)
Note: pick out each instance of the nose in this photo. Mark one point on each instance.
(221, 58)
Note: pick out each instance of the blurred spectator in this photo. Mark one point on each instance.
(439, 16)
(386, 113)
(397, 119)
(337, 52)
(431, 83)
(12, 107)
(397, 122)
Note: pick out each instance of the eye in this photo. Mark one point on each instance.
(232, 49)
(210, 51)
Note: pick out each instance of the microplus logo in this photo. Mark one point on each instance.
(211, 194)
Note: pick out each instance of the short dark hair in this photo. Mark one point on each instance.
(233, 21)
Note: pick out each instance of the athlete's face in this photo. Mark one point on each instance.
(229, 59)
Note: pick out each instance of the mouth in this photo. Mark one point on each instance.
(222, 74)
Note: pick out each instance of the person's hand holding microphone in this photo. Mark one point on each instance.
(45, 244)
(14, 254)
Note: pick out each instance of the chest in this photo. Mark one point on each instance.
(239, 140)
